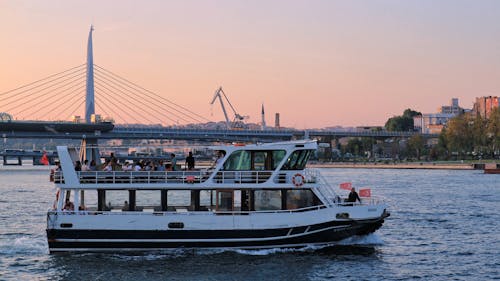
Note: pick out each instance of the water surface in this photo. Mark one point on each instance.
(444, 226)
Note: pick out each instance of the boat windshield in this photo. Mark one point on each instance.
(256, 160)
(297, 160)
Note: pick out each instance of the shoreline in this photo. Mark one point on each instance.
(417, 165)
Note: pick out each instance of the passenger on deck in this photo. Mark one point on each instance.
(107, 167)
(93, 166)
(160, 167)
(168, 167)
(190, 161)
(137, 166)
(126, 166)
(220, 156)
(174, 161)
(353, 196)
(85, 166)
(125, 206)
(68, 206)
(78, 165)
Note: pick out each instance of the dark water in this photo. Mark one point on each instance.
(444, 226)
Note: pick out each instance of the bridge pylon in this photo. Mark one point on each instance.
(89, 98)
(89, 148)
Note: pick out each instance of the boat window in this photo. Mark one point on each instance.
(297, 160)
(179, 198)
(259, 160)
(237, 161)
(116, 200)
(148, 200)
(245, 160)
(278, 155)
(265, 200)
(297, 199)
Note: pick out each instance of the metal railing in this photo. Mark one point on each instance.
(242, 177)
(133, 177)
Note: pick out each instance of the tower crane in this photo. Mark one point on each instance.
(237, 122)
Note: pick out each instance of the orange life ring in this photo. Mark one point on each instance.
(298, 179)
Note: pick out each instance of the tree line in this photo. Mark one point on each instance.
(466, 136)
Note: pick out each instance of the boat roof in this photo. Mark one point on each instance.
(308, 144)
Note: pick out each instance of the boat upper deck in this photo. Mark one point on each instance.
(191, 178)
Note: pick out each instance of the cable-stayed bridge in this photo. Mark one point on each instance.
(88, 88)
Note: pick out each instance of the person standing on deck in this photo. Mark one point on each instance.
(174, 162)
(353, 196)
(190, 161)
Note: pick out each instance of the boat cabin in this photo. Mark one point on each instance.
(253, 178)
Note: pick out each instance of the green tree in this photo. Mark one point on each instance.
(416, 146)
(459, 134)
(493, 132)
(354, 146)
(403, 122)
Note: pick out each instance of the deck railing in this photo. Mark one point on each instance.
(134, 177)
(181, 177)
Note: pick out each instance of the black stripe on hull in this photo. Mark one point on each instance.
(60, 240)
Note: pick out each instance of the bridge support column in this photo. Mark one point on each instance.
(90, 151)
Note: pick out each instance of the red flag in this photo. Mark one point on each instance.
(44, 160)
(365, 192)
(346, 185)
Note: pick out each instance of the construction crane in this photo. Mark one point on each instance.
(237, 122)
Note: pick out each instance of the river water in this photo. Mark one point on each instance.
(444, 225)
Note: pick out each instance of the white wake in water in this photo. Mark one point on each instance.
(24, 245)
(371, 239)
(366, 240)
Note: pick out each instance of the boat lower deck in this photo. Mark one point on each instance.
(63, 240)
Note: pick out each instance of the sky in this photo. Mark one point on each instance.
(317, 63)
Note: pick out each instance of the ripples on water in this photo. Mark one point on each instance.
(443, 226)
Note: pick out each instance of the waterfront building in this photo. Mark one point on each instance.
(433, 123)
(453, 108)
(484, 105)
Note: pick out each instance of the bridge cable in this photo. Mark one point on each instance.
(42, 106)
(150, 105)
(29, 84)
(104, 96)
(76, 108)
(140, 101)
(101, 109)
(148, 91)
(49, 98)
(70, 101)
(112, 103)
(65, 101)
(40, 85)
(30, 95)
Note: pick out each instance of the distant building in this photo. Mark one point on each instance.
(453, 108)
(484, 105)
(433, 123)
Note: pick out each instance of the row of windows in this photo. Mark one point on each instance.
(245, 160)
(202, 200)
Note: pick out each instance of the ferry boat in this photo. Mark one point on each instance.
(255, 197)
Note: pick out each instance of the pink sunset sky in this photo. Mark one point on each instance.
(317, 63)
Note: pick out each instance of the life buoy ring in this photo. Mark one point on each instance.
(298, 179)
